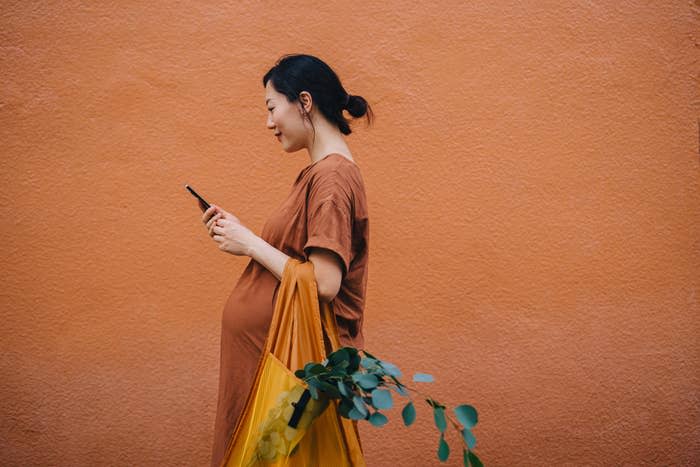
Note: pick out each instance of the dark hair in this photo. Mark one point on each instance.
(293, 74)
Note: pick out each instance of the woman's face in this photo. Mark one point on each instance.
(286, 120)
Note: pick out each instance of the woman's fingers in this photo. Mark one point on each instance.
(208, 214)
(212, 222)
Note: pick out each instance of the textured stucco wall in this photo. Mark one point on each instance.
(534, 201)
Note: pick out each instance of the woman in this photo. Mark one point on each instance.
(323, 220)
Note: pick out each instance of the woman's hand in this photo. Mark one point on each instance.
(225, 229)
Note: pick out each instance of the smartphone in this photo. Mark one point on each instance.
(202, 203)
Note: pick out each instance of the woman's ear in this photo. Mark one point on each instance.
(306, 101)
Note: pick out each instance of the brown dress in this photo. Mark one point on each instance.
(326, 208)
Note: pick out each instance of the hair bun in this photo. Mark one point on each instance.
(356, 106)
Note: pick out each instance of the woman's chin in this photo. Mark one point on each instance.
(290, 150)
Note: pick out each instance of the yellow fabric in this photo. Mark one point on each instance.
(262, 437)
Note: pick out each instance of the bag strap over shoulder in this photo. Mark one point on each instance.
(300, 319)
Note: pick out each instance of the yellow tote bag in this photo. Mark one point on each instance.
(321, 437)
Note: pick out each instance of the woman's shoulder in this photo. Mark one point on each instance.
(336, 167)
(335, 175)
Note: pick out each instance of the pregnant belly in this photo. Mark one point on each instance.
(248, 310)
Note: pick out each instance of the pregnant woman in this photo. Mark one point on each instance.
(323, 220)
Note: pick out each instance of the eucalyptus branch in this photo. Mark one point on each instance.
(362, 385)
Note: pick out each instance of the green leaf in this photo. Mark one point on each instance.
(360, 405)
(366, 381)
(315, 382)
(376, 371)
(400, 390)
(467, 416)
(338, 357)
(355, 414)
(474, 460)
(409, 414)
(312, 369)
(465, 457)
(440, 421)
(354, 364)
(368, 362)
(339, 370)
(378, 419)
(314, 392)
(301, 374)
(381, 399)
(345, 407)
(469, 438)
(443, 449)
(391, 369)
(343, 388)
(422, 378)
(330, 389)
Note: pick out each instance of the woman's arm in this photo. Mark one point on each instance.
(234, 238)
(327, 266)
(270, 257)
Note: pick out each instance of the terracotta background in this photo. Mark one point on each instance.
(534, 201)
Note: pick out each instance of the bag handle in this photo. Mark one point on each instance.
(307, 321)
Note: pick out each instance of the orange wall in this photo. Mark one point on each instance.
(534, 201)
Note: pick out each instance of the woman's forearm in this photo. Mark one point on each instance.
(274, 261)
(270, 257)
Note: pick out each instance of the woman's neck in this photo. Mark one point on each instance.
(328, 141)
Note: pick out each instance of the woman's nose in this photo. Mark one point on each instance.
(270, 123)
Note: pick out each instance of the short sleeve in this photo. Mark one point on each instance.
(329, 218)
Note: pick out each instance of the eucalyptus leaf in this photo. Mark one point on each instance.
(329, 389)
(469, 438)
(314, 381)
(355, 414)
(313, 369)
(467, 416)
(400, 390)
(345, 407)
(314, 392)
(378, 419)
(354, 364)
(465, 457)
(422, 378)
(443, 449)
(366, 381)
(339, 356)
(396, 381)
(391, 369)
(301, 374)
(440, 421)
(339, 370)
(360, 405)
(474, 460)
(343, 388)
(409, 414)
(381, 399)
(368, 362)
